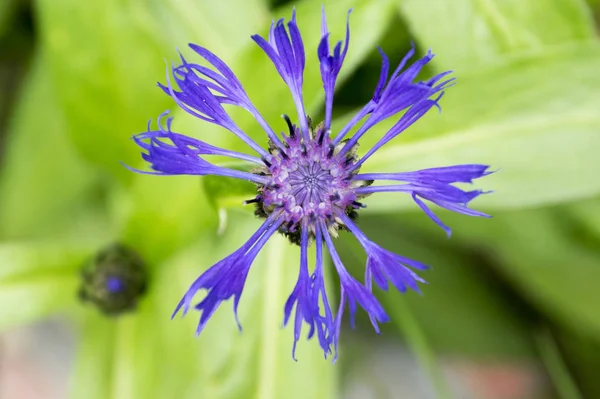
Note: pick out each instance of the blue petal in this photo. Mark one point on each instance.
(400, 93)
(227, 278)
(287, 54)
(352, 292)
(305, 296)
(170, 153)
(331, 64)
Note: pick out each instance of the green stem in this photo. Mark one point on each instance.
(416, 340)
(555, 366)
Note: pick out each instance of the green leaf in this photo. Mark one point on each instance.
(7, 10)
(579, 351)
(556, 367)
(545, 254)
(106, 57)
(158, 215)
(42, 180)
(41, 277)
(92, 374)
(223, 193)
(119, 356)
(466, 34)
(21, 260)
(551, 266)
(38, 297)
(587, 214)
(539, 130)
(410, 328)
(136, 370)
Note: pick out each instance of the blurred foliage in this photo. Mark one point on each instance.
(39, 159)
(78, 79)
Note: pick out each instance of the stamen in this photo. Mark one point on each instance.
(330, 152)
(290, 125)
(253, 200)
(322, 136)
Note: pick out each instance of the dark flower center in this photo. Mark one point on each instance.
(310, 182)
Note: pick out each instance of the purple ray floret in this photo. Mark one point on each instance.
(308, 181)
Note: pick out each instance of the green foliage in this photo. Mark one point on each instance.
(469, 33)
(107, 57)
(38, 160)
(538, 130)
(41, 277)
(175, 207)
(92, 376)
(478, 321)
(552, 269)
(526, 102)
(7, 9)
(155, 357)
(229, 193)
(513, 113)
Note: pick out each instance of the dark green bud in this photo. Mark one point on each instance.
(114, 280)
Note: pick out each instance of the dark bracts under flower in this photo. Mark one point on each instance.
(309, 184)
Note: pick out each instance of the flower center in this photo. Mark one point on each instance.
(309, 182)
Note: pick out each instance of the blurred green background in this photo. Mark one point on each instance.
(512, 309)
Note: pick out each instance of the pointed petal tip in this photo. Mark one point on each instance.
(335, 358)
(176, 311)
(142, 172)
(237, 321)
(489, 172)
(382, 53)
(123, 164)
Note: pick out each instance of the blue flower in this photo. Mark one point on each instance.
(308, 181)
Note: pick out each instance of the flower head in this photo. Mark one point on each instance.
(113, 280)
(308, 180)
